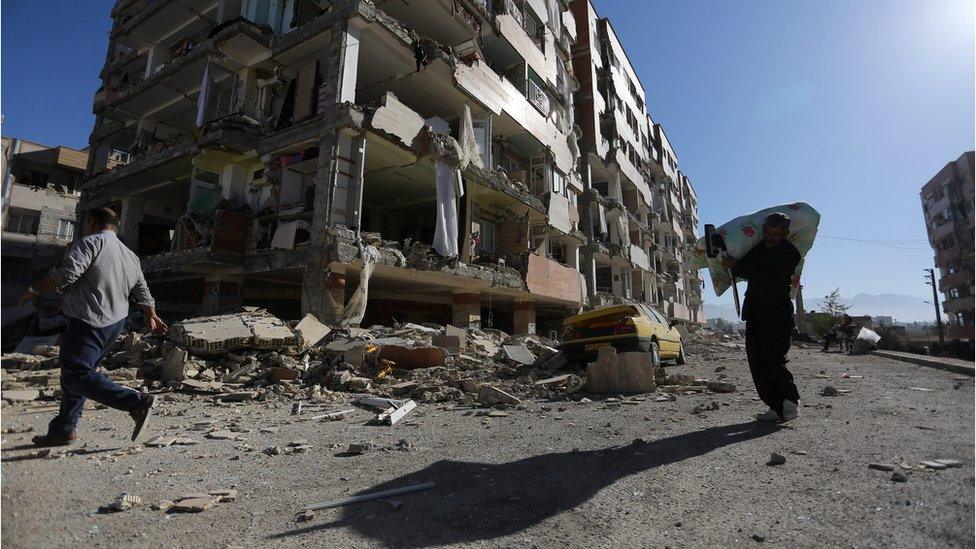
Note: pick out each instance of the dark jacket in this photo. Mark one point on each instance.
(770, 275)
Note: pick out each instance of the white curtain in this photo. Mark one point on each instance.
(469, 146)
(355, 309)
(448, 182)
(202, 99)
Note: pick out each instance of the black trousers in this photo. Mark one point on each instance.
(768, 339)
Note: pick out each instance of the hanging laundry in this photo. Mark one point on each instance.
(446, 228)
(470, 154)
(355, 309)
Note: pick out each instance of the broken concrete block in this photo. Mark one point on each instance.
(721, 387)
(471, 385)
(311, 330)
(239, 396)
(174, 366)
(519, 354)
(224, 495)
(553, 382)
(490, 396)
(21, 395)
(413, 357)
(160, 441)
(623, 373)
(403, 388)
(358, 383)
(359, 447)
(278, 373)
(450, 343)
(776, 459)
(460, 333)
(222, 435)
(195, 504)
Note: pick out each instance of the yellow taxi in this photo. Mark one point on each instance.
(633, 327)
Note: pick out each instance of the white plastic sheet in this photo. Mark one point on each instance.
(355, 309)
(447, 180)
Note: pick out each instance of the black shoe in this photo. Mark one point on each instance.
(140, 414)
(50, 439)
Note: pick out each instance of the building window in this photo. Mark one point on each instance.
(23, 222)
(483, 236)
(66, 229)
(16, 270)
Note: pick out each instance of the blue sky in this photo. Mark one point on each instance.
(850, 106)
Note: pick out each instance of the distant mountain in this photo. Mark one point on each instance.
(903, 308)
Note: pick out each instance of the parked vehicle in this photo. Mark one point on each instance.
(627, 328)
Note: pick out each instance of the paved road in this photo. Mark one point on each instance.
(550, 475)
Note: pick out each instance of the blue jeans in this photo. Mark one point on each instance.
(82, 348)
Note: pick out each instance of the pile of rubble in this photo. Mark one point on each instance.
(252, 355)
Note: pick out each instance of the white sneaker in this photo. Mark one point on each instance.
(768, 415)
(790, 410)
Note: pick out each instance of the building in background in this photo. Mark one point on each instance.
(947, 202)
(39, 199)
(250, 147)
(638, 210)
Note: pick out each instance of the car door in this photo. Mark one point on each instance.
(668, 336)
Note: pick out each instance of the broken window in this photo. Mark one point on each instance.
(483, 236)
(66, 229)
(23, 222)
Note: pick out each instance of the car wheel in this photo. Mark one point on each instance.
(655, 353)
(680, 361)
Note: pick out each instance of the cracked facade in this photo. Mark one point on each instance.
(264, 140)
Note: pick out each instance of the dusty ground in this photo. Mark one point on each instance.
(553, 474)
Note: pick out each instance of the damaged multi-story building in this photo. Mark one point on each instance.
(310, 155)
(40, 196)
(638, 210)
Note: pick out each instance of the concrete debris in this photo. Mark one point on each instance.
(164, 505)
(174, 367)
(125, 502)
(933, 465)
(829, 391)
(776, 459)
(519, 354)
(623, 373)
(194, 503)
(22, 395)
(881, 466)
(161, 441)
(721, 387)
(358, 448)
(898, 476)
(311, 330)
(413, 357)
(490, 396)
(949, 462)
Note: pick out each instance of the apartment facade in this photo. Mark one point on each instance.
(947, 203)
(639, 211)
(39, 199)
(284, 153)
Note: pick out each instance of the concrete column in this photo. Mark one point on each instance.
(323, 293)
(524, 318)
(466, 309)
(129, 218)
(220, 292)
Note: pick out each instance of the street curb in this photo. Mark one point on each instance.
(953, 365)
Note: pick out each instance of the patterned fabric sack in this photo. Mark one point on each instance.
(744, 232)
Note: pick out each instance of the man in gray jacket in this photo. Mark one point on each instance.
(97, 278)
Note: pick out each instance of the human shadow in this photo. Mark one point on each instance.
(482, 501)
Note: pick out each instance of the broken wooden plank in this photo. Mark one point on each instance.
(370, 497)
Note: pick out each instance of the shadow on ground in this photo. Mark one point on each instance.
(483, 501)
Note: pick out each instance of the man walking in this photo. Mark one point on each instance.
(768, 311)
(98, 276)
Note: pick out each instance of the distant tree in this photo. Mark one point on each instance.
(832, 306)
